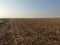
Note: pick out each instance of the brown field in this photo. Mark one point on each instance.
(30, 31)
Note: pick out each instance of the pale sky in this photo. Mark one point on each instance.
(29, 8)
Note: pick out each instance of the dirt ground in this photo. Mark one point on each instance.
(32, 31)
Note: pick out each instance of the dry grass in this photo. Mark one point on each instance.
(29, 31)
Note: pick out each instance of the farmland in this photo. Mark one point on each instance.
(29, 31)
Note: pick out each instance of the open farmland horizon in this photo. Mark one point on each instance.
(29, 31)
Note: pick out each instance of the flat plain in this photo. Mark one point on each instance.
(30, 31)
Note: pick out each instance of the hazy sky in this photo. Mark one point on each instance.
(29, 8)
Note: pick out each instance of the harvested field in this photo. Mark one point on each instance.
(30, 31)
